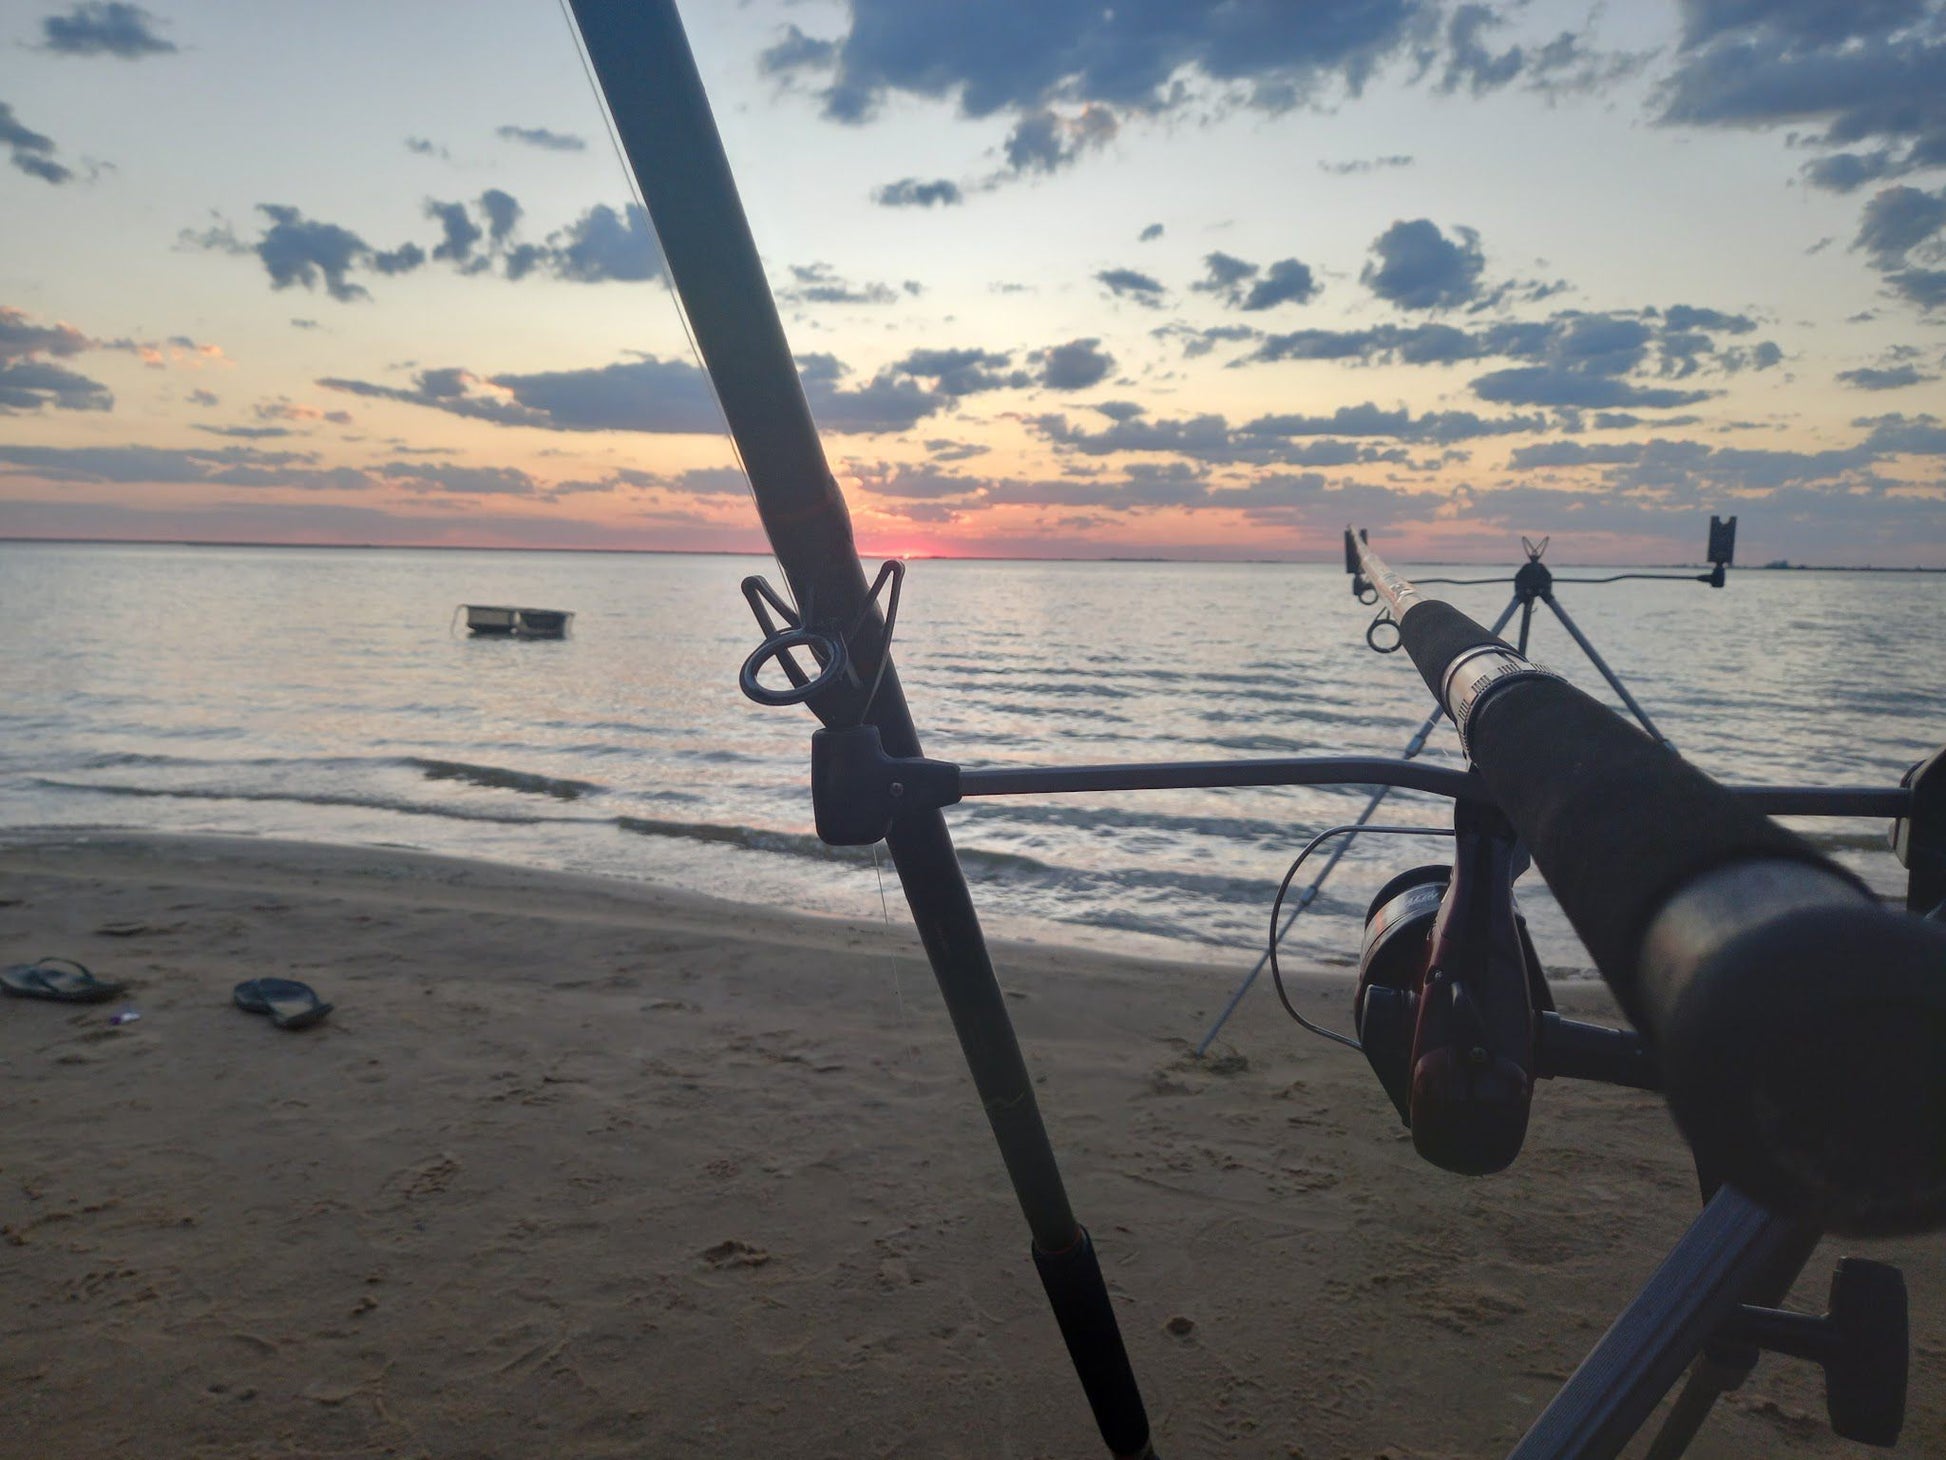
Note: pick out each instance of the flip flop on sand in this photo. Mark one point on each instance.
(291, 1005)
(61, 979)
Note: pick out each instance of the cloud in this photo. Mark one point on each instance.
(796, 51)
(1074, 366)
(425, 148)
(1018, 55)
(1896, 377)
(1898, 223)
(241, 466)
(1211, 440)
(1868, 73)
(20, 337)
(1131, 284)
(542, 138)
(1149, 234)
(910, 192)
(889, 401)
(1573, 359)
(30, 151)
(1360, 165)
(1540, 385)
(112, 28)
(1046, 141)
(459, 232)
(1898, 220)
(964, 372)
(599, 246)
(647, 394)
(300, 250)
(1561, 65)
(1900, 435)
(1285, 282)
(27, 385)
(819, 283)
(603, 244)
(1418, 267)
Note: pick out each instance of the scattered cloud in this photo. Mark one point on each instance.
(965, 372)
(1074, 366)
(1896, 377)
(889, 401)
(104, 28)
(1903, 233)
(423, 147)
(1244, 285)
(30, 151)
(20, 337)
(1358, 166)
(603, 244)
(1872, 75)
(1418, 267)
(645, 394)
(1020, 57)
(797, 51)
(27, 385)
(1045, 140)
(1131, 284)
(541, 137)
(910, 192)
(819, 283)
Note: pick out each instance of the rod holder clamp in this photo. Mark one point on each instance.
(857, 790)
(1862, 1344)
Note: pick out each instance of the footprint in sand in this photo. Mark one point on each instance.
(732, 1253)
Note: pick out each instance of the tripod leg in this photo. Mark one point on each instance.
(1728, 1254)
(1716, 1374)
(1606, 673)
(1526, 622)
(1305, 898)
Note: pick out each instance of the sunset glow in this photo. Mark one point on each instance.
(1087, 284)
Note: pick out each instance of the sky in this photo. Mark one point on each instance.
(1169, 278)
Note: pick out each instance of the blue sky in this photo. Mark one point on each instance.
(1182, 279)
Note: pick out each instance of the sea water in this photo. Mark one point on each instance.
(329, 694)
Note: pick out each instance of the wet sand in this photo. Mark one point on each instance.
(588, 1168)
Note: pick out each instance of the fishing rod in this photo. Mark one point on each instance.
(1532, 583)
(870, 779)
(647, 77)
(1797, 1029)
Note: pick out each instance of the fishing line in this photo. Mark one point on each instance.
(1283, 889)
(892, 952)
(669, 283)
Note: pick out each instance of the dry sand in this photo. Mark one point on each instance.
(588, 1168)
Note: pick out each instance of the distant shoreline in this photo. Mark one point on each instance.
(399, 547)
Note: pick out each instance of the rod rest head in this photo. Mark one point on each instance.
(857, 790)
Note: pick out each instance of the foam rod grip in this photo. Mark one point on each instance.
(1079, 1296)
(1801, 1027)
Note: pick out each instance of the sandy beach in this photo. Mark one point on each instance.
(585, 1168)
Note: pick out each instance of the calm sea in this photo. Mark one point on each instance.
(326, 694)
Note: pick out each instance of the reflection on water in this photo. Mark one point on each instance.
(326, 694)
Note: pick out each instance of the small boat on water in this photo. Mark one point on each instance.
(517, 623)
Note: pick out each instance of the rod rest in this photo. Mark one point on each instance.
(857, 789)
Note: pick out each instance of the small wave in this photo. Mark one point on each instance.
(369, 803)
(755, 838)
(560, 788)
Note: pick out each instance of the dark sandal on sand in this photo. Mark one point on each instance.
(291, 1005)
(61, 979)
